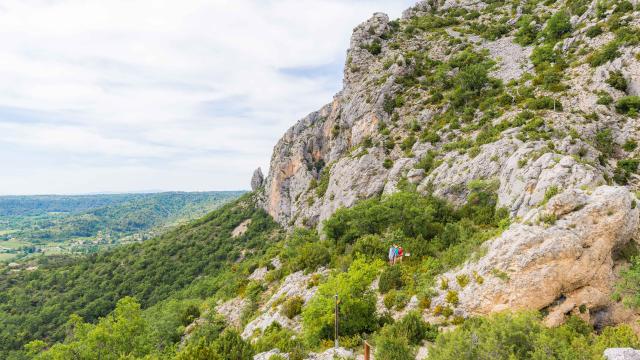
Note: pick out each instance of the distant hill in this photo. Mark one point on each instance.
(54, 223)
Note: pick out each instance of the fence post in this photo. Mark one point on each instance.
(367, 351)
(336, 322)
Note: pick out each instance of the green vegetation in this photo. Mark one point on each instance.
(522, 336)
(628, 288)
(557, 27)
(629, 105)
(396, 341)
(617, 81)
(192, 261)
(391, 278)
(292, 307)
(356, 300)
(39, 224)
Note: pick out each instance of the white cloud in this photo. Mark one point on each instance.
(163, 84)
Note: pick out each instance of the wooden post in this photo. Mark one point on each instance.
(367, 351)
(336, 323)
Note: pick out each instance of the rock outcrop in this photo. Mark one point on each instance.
(294, 285)
(563, 158)
(257, 179)
(561, 262)
(622, 354)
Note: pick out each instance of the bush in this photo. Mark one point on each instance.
(415, 329)
(607, 53)
(463, 280)
(372, 246)
(527, 31)
(545, 53)
(387, 163)
(277, 337)
(357, 308)
(617, 80)
(522, 336)
(558, 25)
(629, 105)
(310, 257)
(232, 347)
(594, 31)
(292, 307)
(391, 278)
(604, 142)
(375, 48)
(544, 102)
(392, 347)
(630, 145)
(604, 98)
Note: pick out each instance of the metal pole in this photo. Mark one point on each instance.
(336, 322)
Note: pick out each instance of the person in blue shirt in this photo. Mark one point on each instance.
(392, 255)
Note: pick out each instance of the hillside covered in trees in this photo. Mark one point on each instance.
(84, 223)
(495, 142)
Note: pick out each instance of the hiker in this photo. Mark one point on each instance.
(392, 254)
(400, 253)
(395, 253)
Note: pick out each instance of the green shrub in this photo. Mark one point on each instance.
(594, 31)
(527, 31)
(462, 280)
(604, 98)
(623, 7)
(277, 337)
(452, 297)
(323, 182)
(545, 53)
(630, 145)
(624, 170)
(392, 347)
(522, 336)
(232, 347)
(375, 48)
(629, 105)
(415, 329)
(292, 307)
(391, 278)
(617, 80)
(387, 163)
(311, 256)
(544, 102)
(604, 142)
(357, 309)
(372, 246)
(607, 53)
(558, 26)
(549, 193)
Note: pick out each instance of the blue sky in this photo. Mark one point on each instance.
(135, 95)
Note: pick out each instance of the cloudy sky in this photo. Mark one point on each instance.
(139, 95)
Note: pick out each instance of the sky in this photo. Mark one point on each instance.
(158, 95)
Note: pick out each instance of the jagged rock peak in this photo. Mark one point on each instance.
(257, 179)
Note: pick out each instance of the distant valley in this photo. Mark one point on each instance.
(55, 224)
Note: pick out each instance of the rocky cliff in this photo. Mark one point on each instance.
(539, 98)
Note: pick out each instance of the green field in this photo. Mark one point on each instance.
(83, 224)
(6, 257)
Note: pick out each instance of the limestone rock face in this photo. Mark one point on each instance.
(622, 354)
(257, 179)
(293, 285)
(560, 267)
(556, 167)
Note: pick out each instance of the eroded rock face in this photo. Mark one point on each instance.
(257, 179)
(296, 284)
(622, 354)
(561, 267)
